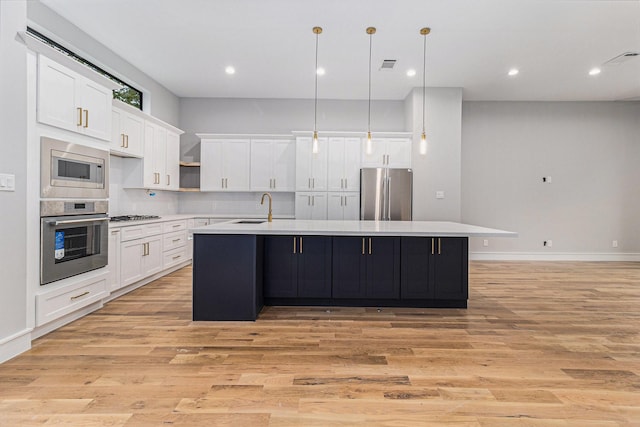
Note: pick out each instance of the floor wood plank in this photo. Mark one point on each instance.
(541, 344)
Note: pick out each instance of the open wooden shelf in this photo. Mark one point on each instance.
(189, 190)
(190, 164)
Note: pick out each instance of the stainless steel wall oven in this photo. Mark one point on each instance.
(73, 238)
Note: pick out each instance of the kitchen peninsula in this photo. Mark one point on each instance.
(240, 266)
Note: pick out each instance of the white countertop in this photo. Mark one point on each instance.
(354, 228)
(177, 217)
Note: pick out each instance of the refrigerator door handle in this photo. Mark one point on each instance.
(389, 198)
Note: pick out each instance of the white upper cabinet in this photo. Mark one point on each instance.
(172, 161)
(225, 164)
(344, 164)
(387, 152)
(343, 206)
(160, 167)
(311, 205)
(273, 165)
(73, 102)
(127, 134)
(311, 169)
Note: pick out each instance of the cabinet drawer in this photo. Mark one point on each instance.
(171, 226)
(139, 231)
(175, 257)
(174, 240)
(67, 299)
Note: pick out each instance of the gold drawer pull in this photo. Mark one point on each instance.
(80, 296)
(177, 256)
(79, 116)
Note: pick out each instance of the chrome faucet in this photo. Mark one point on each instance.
(270, 216)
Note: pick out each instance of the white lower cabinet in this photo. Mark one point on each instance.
(70, 295)
(311, 205)
(139, 251)
(113, 282)
(174, 245)
(343, 206)
(140, 258)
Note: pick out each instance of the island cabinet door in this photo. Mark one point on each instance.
(383, 267)
(314, 267)
(416, 261)
(280, 267)
(450, 268)
(349, 267)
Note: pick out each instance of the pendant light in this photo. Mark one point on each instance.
(314, 145)
(368, 146)
(423, 138)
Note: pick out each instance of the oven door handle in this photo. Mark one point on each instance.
(75, 221)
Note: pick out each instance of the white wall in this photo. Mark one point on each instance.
(440, 169)
(590, 149)
(14, 335)
(280, 116)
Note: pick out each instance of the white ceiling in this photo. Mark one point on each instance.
(186, 44)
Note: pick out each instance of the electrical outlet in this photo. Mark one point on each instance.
(548, 243)
(485, 242)
(546, 179)
(614, 244)
(439, 194)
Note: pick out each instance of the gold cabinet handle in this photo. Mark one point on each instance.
(123, 143)
(363, 246)
(274, 183)
(313, 183)
(346, 183)
(177, 256)
(79, 296)
(176, 240)
(309, 183)
(86, 118)
(168, 179)
(294, 245)
(300, 244)
(127, 143)
(79, 116)
(369, 245)
(432, 249)
(439, 246)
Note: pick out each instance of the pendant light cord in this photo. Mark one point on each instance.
(315, 107)
(369, 114)
(424, 80)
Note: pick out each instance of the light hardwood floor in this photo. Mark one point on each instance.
(541, 344)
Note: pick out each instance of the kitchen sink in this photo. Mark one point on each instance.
(250, 221)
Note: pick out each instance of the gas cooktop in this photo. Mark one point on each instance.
(132, 217)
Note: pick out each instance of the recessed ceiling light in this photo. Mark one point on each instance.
(230, 70)
(320, 71)
(513, 72)
(594, 71)
(411, 72)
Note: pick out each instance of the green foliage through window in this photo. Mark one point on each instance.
(127, 93)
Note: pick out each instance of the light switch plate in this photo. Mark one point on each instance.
(7, 182)
(439, 194)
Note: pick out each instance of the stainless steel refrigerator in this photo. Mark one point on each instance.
(385, 194)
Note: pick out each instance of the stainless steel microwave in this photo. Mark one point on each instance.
(73, 171)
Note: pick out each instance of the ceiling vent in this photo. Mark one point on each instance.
(388, 64)
(622, 58)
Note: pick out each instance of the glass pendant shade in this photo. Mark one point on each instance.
(423, 144)
(314, 143)
(368, 148)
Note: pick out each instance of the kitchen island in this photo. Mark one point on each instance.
(240, 266)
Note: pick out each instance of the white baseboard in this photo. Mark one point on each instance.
(553, 256)
(15, 344)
